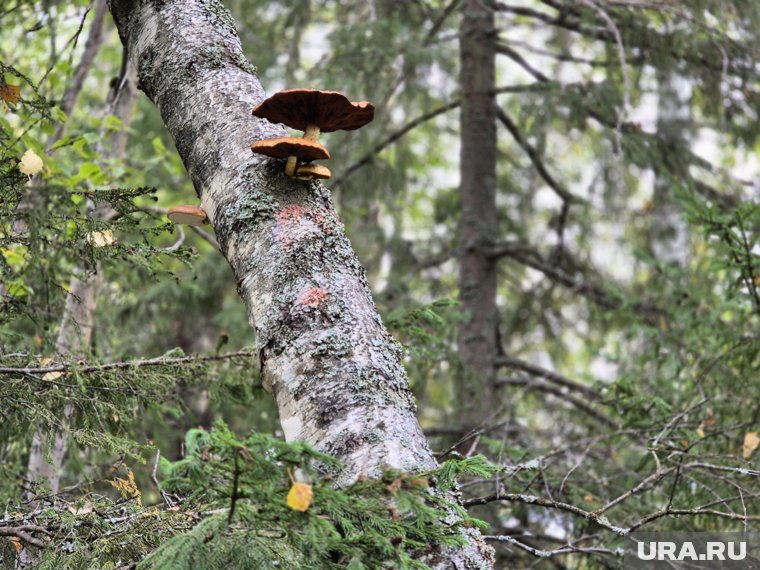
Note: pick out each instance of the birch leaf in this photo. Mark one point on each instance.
(299, 497)
(101, 239)
(49, 375)
(751, 442)
(30, 163)
(10, 93)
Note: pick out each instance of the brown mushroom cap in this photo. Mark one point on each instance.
(187, 215)
(309, 171)
(284, 147)
(328, 110)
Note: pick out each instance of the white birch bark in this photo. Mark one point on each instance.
(334, 370)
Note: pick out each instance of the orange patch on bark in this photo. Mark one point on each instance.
(314, 297)
(292, 213)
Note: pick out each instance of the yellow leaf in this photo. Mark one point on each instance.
(101, 239)
(299, 497)
(394, 486)
(30, 163)
(45, 363)
(15, 256)
(417, 482)
(706, 423)
(128, 487)
(751, 442)
(16, 542)
(10, 93)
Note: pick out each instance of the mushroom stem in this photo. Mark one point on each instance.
(290, 167)
(311, 132)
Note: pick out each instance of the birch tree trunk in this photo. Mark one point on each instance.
(325, 355)
(479, 221)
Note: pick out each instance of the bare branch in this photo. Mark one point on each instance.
(535, 159)
(515, 56)
(644, 485)
(540, 385)
(551, 376)
(530, 257)
(23, 532)
(549, 504)
(411, 125)
(693, 512)
(569, 549)
(158, 361)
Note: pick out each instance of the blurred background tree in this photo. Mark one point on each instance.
(618, 229)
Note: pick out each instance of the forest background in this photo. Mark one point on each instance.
(578, 179)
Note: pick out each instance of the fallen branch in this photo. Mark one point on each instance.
(22, 532)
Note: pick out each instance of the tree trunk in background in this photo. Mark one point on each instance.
(91, 49)
(73, 339)
(334, 370)
(75, 333)
(478, 226)
(668, 234)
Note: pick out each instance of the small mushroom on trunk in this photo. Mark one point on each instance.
(310, 171)
(313, 112)
(187, 215)
(294, 149)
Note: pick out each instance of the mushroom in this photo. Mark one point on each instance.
(309, 171)
(188, 215)
(294, 149)
(314, 112)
